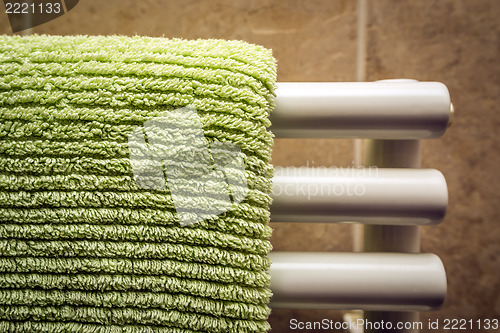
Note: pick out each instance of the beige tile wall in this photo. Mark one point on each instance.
(453, 41)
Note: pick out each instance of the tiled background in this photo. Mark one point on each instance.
(456, 42)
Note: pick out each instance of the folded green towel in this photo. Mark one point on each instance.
(135, 184)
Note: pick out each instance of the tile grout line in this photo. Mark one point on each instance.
(360, 77)
(361, 42)
(360, 69)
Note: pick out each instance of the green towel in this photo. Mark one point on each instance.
(135, 183)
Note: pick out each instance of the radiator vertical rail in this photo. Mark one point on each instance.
(382, 238)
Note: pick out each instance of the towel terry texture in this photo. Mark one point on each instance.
(83, 247)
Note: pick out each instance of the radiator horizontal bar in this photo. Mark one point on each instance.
(391, 109)
(362, 195)
(365, 281)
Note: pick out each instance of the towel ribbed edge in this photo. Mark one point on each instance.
(82, 246)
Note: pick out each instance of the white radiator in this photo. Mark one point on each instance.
(391, 197)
